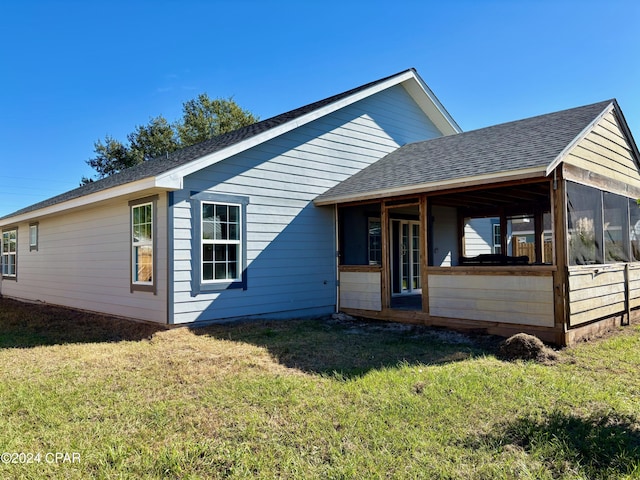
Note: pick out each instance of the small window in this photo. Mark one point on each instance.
(143, 244)
(33, 237)
(375, 242)
(497, 238)
(9, 253)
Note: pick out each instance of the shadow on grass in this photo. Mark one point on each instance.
(24, 325)
(602, 445)
(351, 348)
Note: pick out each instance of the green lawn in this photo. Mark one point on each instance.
(306, 399)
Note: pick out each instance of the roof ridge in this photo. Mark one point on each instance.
(181, 156)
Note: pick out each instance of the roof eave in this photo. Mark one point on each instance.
(409, 79)
(146, 184)
(464, 182)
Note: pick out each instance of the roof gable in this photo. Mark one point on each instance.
(167, 172)
(523, 148)
(606, 148)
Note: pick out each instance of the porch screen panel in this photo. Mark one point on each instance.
(616, 237)
(634, 230)
(360, 235)
(584, 217)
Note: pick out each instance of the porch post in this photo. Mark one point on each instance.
(559, 209)
(538, 227)
(386, 268)
(424, 248)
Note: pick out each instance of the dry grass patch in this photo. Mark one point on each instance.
(308, 399)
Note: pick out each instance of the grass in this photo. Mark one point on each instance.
(307, 399)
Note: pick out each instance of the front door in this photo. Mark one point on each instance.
(405, 258)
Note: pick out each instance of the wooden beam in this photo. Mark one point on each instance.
(503, 233)
(424, 248)
(560, 276)
(386, 259)
(539, 235)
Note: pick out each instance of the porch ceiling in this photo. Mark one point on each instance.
(506, 197)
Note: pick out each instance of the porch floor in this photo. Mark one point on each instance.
(407, 302)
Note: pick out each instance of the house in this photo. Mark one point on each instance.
(565, 183)
(372, 202)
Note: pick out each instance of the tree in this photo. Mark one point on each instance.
(152, 140)
(202, 119)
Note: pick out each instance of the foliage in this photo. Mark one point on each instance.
(202, 119)
(308, 399)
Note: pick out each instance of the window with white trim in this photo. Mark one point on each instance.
(497, 238)
(33, 237)
(9, 253)
(221, 242)
(143, 244)
(375, 241)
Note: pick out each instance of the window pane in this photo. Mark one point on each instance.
(221, 253)
(207, 211)
(207, 253)
(207, 271)
(221, 271)
(221, 212)
(233, 270)
(207, 230)
(234, 214)
(233, 252)
(233, 232)
(143, 264)
(33, 235)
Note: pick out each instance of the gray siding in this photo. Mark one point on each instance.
(478, 237)
(83, 261)
(445, 236)
(291, 243)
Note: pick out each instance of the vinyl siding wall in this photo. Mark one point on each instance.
(605, 151)
(291, 243)
(478, 237)
(523, 300)
(83, 261)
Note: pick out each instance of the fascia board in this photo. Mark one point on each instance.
(215, 157)
(581, 136)
(537, 172)
(420, 92)
(126, 189)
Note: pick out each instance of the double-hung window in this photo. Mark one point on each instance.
(143, 244)
(219, 242)
(9, 253)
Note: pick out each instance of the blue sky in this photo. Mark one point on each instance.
(72, 72)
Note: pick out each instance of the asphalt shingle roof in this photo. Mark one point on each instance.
(518, 145)
(185, 155)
